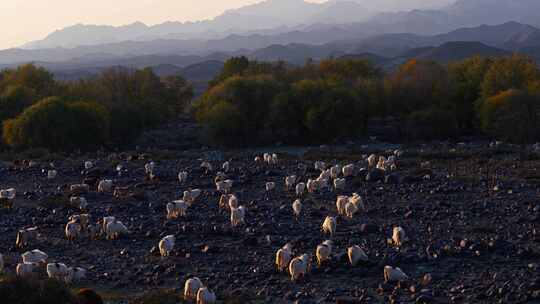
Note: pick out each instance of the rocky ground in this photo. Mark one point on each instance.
(471, 214)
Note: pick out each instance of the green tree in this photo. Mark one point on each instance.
(515, 72)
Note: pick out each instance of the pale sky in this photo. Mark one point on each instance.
(22, 21)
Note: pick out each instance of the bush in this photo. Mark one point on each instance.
(431, 123)
(56, 125)
(15, 290)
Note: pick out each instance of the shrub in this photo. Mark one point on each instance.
(431, 123)
(15, 290)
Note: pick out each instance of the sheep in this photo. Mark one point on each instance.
(267, 158)
(237, 216)
(105, 221)
(273, 160)
(299, 267)
(26, 269)
(79, 188)
(88, 165)
(226, 166)
(93, 231)
(335, 171)
(325, 174)
(176, 208)
(312, 185)
(224, 186)
(270, 186)
(297, 207)
(35, 256)
(394, 274)
(182, 177)
(348, 170)
(398, 153)
(382, 165)
(166, 245)
(149, 168)
(372, 160)
(357, 200)
(191, 287)
(350, 210)
(1, 263)
(356, 254)
(51, 174)
(25, 235)
(82, 219)
(105, 185)
(398, 236)
(329, 225)
(324, 251)
(290, 181)
(319, 165)
(72, 230)
(57, 271)
(233, 202)
(205, 296)
(258, 159)
(341, 203)
(75, 274)
(115, 230)
(8, 193)
(207, 167)
(300, 189)
(78, 202)
(224, 200)
(340, 183)
(191, 195)
(283, 257)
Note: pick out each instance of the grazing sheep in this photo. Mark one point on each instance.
(25, 270)
(299, 267)
(267, 157)
(270, 186)
(398, 236)
(191, 195)
(283, 257)
(341, 203)
(233, 202)
(191, 287)
(75, 274)
(372, 160)
(356, 254)
(335, 171)
(319, 165)
(51, 174)
(348, 170)
(340, 183)
(57, 271)
(226, 166)
(237, 216)
(72, 230)
(290, 181)
(350, 210)
(324, 251)
(312, 185)
(224, 186)
(8, 193)
(297, 207)
(273, 160)
(88, 165)
(357, 200)
(176, 209)
(166, 245)
(105, 185)
(182, 177)
(105, 221)
(35, 256)
(207, 167)
(205, 296)
(300, 189)
(24, 236)
(394, 274)
(78, 202)
(115, 230)
(329, 225)
(83, 219)
(79, 188)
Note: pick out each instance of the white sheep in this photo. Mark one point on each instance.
(78, 202)
(324, 251)
(325, 174)
(335, 171)
(297, 207)
(182, 177)
(191, 287)
(166, 245)
(24, 236)
(105, 221)
(191, 195)
(83, 219)
(224, 186)
(51, 174)
(319, 165)
(356, 254)
(290, 181)
(348, 170)
(26, 269)
(207, 166)
(72, 230)
(394, 274)
(340, 183)
(283, 257)
(115, 230)
(341, 203)
(398, 236)
(300, 189)
(35, 256)
(372, 160)
(270, 186)
(79, 188)
(8, 193)
(58, 271)
(312, 185)
(75, 274)
(299, 267)
(105, 185)
(357, 200)
(226, 166)
(274, 159)
(176, 209)
(258, 159)
(322, 183)
(267, 158)
(350, 210)
(149, 168)
(88, 165)
(237, 216)
(205, 296)
(329, 225)
(233, 202)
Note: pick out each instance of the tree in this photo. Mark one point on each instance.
(514, 72)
